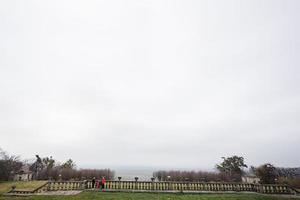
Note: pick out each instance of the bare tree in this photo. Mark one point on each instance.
(9, 165)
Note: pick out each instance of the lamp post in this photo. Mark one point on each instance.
(119, 178)
(188, 185)
(152, 184)
(169, 183)
(136, 179)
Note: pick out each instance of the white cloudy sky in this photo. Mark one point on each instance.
(151, 83)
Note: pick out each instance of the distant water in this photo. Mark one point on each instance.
(129, 174)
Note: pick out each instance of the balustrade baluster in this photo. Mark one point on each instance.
(276, 190)
(218, 186)
(280, 191)
(226, 187)
(263, 189)
(272, 189)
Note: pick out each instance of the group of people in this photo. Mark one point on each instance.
(99, 184)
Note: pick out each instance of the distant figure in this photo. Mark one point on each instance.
(103, 182)
(93, 182)
(97, 184)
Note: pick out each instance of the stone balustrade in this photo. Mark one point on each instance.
(164, 186)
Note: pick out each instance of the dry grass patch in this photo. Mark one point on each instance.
(20, 185)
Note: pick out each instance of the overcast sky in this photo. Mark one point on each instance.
(170, 84)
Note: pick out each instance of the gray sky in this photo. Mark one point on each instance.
(151, 83)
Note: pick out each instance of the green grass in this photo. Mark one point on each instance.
(20, 185)
(149, 196)
(6, 186)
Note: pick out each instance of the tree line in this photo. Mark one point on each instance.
(47, 168)
(231, 169)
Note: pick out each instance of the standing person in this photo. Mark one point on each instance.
(93, 182)
(97, 184)
(103, 181)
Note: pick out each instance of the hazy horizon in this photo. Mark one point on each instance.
(169, 84)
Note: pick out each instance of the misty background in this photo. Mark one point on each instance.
(151, 84)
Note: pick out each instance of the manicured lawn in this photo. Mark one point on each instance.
(24, 185)
(6, 186)
(148, 196)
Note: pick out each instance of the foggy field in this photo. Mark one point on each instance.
(148, 196)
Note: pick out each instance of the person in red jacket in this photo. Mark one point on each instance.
(103, 182)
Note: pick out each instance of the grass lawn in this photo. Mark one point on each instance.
(149, 196)
(24, 185)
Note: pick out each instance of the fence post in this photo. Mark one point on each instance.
(152, 184)
(136, 179)
(119, 183)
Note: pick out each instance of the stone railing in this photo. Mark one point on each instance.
(197, 186)
(153, 186)
(66, 185)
